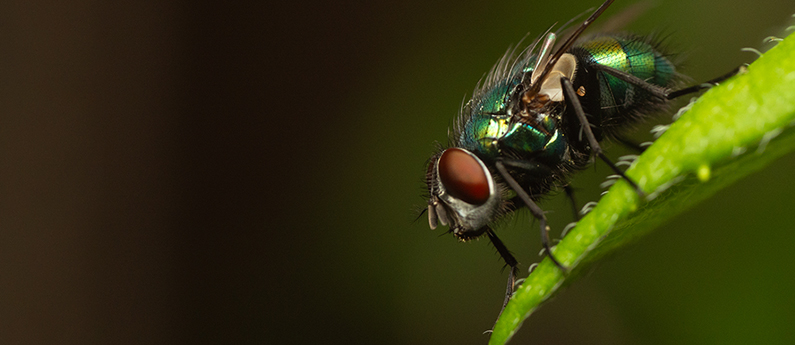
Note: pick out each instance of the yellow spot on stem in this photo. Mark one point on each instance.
(704, 173)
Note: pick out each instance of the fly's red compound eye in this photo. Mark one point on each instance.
(463, 177)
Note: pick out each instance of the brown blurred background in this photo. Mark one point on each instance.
(245, 173)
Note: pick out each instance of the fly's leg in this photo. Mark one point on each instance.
(629, 143)
(537, 212)
(570, 194)
(658, 91)
(662, 92)
(708, 84)
(571, 100)
(510, 261)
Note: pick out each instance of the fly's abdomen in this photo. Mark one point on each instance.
(618, 102)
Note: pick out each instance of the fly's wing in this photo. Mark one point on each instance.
(616, 23)
(625, 17)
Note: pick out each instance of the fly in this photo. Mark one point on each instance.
(537, 118)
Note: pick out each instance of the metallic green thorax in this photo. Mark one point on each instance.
(489, 121)
(489, 132)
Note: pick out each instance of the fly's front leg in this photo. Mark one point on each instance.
(510, 261)
(537, 212)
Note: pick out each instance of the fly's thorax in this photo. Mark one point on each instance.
(487, 118)
(502, 119)
(463, 193)
(482, 134)
(538, 136)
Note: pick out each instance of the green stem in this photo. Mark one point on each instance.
(730, 132)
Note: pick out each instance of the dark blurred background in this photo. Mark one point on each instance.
(247, 173)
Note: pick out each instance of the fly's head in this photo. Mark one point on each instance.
(463, 193)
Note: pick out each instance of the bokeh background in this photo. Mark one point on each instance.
(248, 173)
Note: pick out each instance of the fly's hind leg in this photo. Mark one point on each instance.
(708, 84)
(662, 92)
